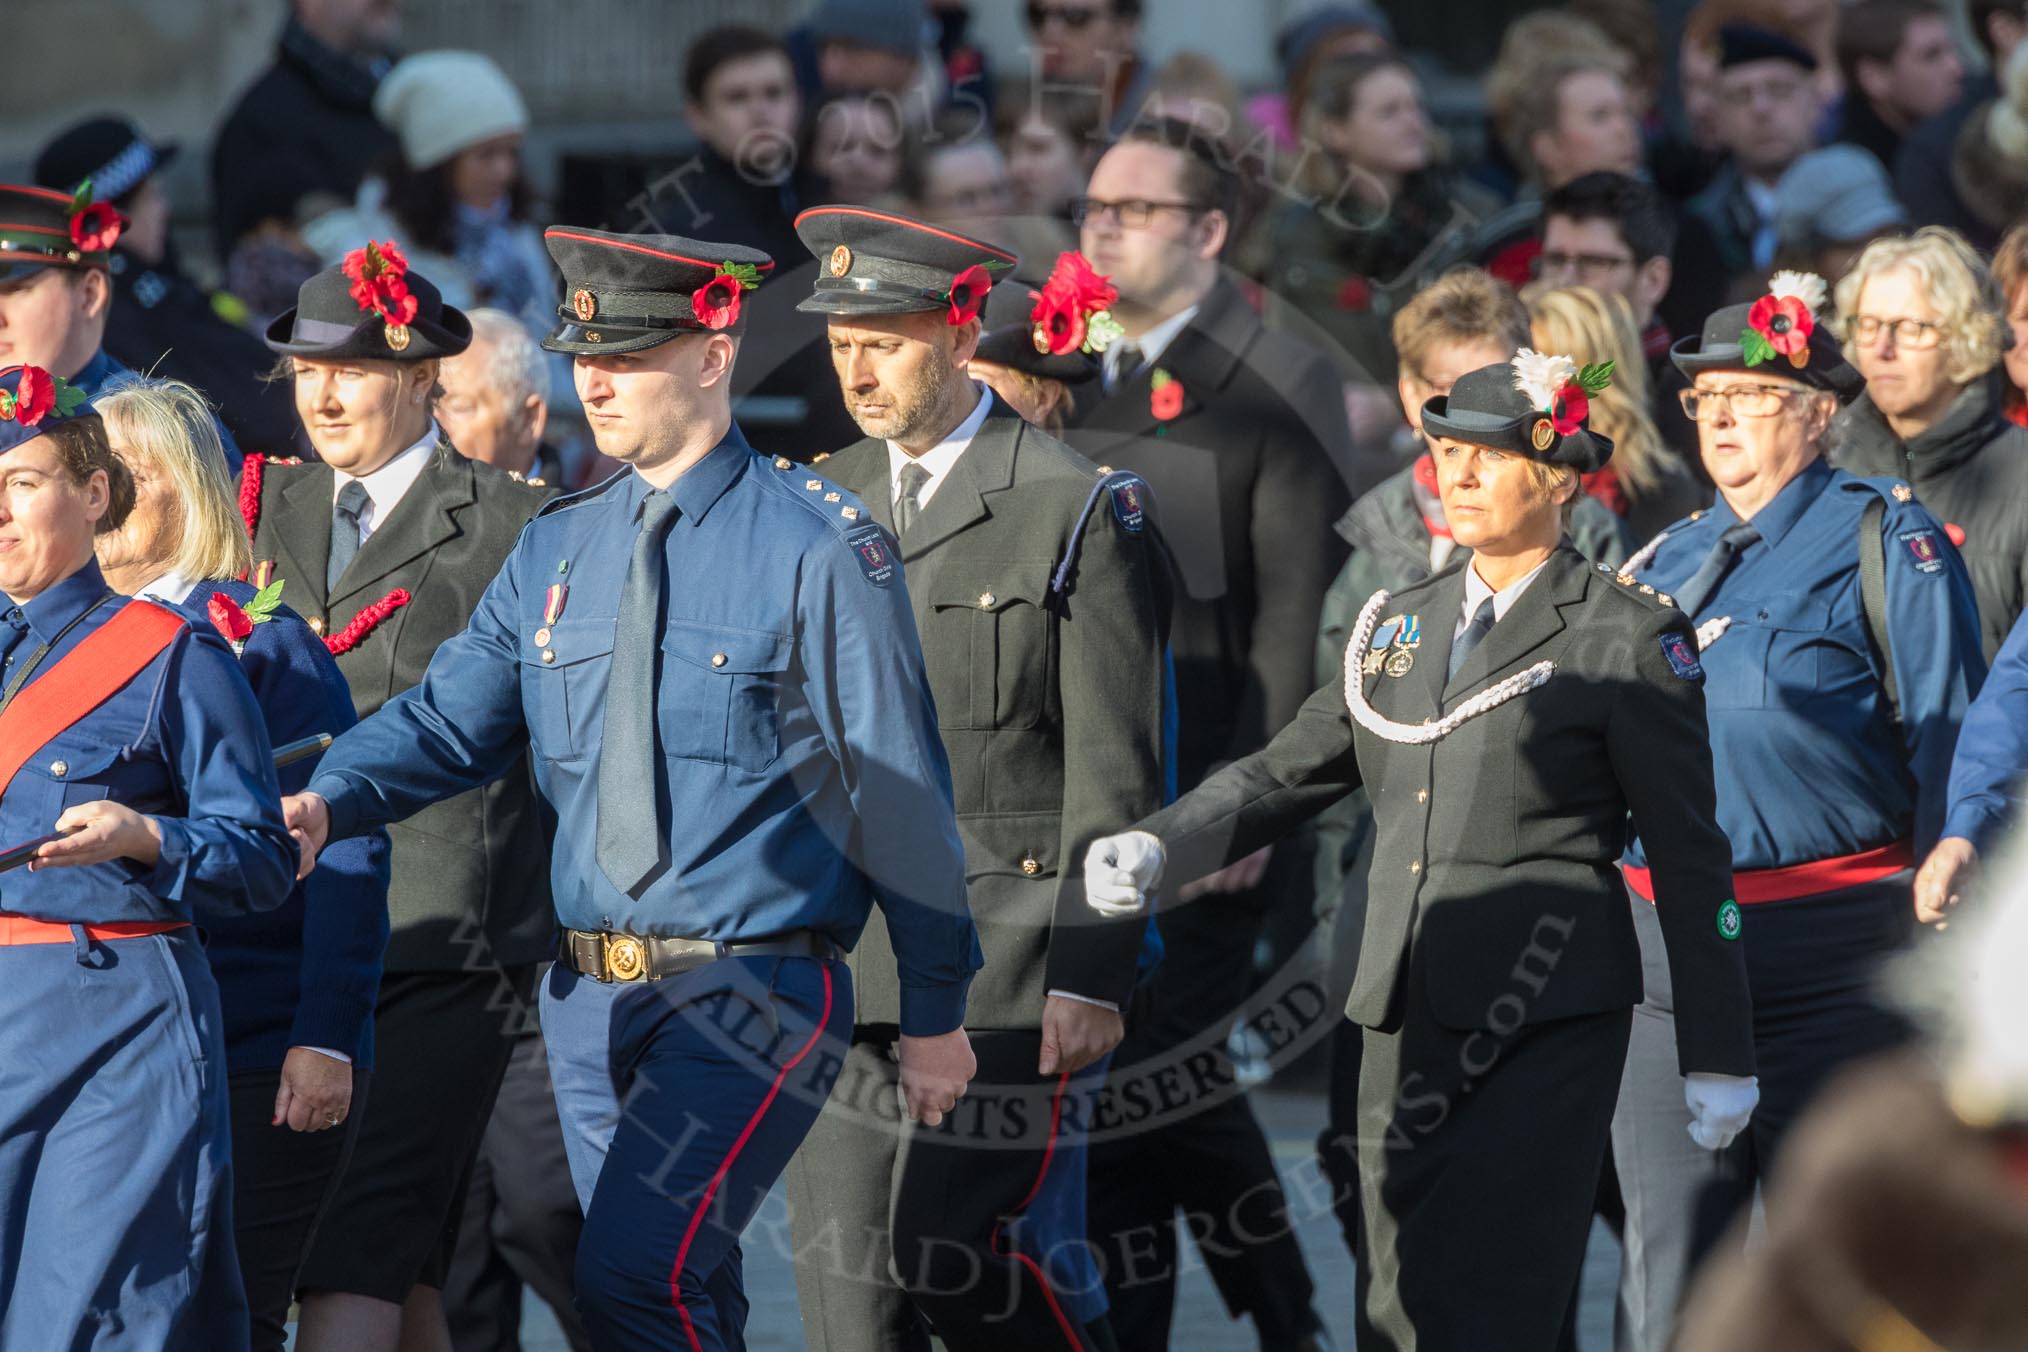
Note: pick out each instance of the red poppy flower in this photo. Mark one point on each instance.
(97, 228)
(1059, 325)
(34, 396)
(1355, 294)
(1083, 286)
(968, 294)
(1165, 401)
(379, 286)
(1956, 532)
(1568, 409)
(228, 617)
(716, 303)
(1784, 321)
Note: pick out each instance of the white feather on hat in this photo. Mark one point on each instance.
(1542, 375)
(1806, 287)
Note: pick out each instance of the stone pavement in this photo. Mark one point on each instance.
(1292, 1119)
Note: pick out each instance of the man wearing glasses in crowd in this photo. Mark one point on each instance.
(1237, 430)
(1093, 46)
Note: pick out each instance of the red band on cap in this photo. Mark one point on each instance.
(904, 221)
(641, 248)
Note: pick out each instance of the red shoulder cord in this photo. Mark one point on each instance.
(250, 491)
(366, 620)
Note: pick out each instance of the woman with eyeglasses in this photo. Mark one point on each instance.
(1840, 646)
(1926, 324)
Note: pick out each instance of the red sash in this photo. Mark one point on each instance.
(86, 677)
(1802, 880)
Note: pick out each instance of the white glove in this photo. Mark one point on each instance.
(1720, 1106)
(1119, 871)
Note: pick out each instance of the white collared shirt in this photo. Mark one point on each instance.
(1150, 345)
(938, 459)
(1476, 591)
(388, 485)
(170, 589)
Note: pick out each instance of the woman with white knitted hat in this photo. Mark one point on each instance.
(1505, 718)
(453, 197)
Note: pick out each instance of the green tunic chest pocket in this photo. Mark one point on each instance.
(990, 645)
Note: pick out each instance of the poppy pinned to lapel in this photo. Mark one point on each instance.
(1165, 395)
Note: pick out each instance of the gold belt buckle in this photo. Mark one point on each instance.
(626, 957)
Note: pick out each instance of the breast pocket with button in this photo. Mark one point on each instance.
(564, 669)
(720, 695)
(991, 646)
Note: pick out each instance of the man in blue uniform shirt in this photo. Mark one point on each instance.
(1986, 779)
(712, 658)
(1839, 646)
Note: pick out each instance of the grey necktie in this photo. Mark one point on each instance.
(908, 500)
(629, 830)
(1123, 359)
(1474, 634)
(344, 532)
(1691, 596)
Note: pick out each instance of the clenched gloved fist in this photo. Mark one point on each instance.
(1720, 1106)
(1119, 871)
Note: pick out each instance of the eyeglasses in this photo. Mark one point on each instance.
(1581, 265)
(1133, 215)
(1745, 401)
(1915, 334)
(1076, 20)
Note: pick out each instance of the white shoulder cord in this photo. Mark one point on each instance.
(1712, 630)
(1643, 556)
(1419, 734)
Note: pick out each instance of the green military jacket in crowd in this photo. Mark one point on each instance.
(1049, 699)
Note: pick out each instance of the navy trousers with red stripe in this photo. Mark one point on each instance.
(682, 1101)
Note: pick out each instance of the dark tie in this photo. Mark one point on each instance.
(629, 831)
(908, 501)
(1474, 634)
(1126, 360)
(344, 532)
(1691, 596)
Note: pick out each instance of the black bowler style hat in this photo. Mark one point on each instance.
(1535, 406)
(1783, 333)
(623, 293)
(1009, 339)
(878, 263)
(110, 151)
(370, 306)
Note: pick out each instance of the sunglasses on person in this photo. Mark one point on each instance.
(1073, 17)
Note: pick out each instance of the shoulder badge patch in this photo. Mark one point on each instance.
(875, 553)
(1127, 506)
(1682, 657)
(1728, 920)
(1924, 547)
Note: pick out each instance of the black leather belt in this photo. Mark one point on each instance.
(605, 956)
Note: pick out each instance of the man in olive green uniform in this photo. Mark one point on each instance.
(1041, 601)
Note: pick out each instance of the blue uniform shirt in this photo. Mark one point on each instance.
(1808, 764)
(803, 775)
(182, 742)
(1993, 748)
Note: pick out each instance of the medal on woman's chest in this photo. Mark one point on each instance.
(1394, 645)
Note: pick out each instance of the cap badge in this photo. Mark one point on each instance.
(1542, 435)
(584, 304)
(397, 336)
(841, 261)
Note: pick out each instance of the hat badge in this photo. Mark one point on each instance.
(584, 304)
(841, 261)
(397, 336)
(1542, 434)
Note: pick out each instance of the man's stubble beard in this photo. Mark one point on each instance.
(921, 404)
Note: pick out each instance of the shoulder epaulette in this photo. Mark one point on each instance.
(582, 495)
(1635, 588)
(843, 510)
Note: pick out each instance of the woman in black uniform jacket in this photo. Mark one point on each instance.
(1505, 716)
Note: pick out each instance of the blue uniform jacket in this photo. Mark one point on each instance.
(102, 370)
(307, 973)
(182, 742)
(804, 778)
(1993, 748)
(1808, 764)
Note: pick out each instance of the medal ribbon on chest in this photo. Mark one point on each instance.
(1421, 734)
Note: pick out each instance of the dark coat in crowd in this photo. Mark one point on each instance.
(304, 129)
(1247, 481)
(471, 874)
(1971, 471)
(1923, 180)
(161, 323)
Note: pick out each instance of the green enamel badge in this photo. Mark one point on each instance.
(1728, 920)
